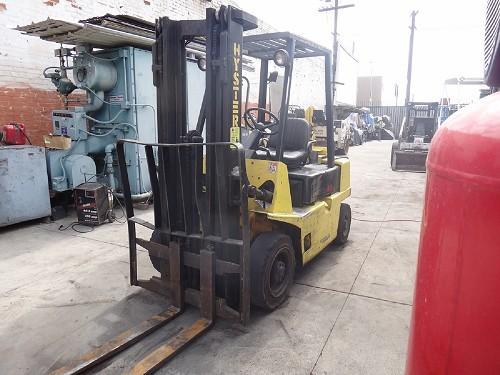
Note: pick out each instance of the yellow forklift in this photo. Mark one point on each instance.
(233, 215)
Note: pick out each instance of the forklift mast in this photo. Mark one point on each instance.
(200, 191)
(222, 34)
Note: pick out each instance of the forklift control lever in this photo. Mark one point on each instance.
(261, 194)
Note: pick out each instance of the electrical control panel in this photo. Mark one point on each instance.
(69, 123)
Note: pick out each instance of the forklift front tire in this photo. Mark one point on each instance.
(344, 226)
(273, 269)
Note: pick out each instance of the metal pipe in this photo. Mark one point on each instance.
(330, 135)
(247, 91)
(136, 197)
(410, 62)
(104, 122)
(94, 105)
(285, 99)
(109, 164)
(264, 67)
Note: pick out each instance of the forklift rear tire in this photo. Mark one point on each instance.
(394, 161)
(344, 226)
(393, 155)
(273, 269)
(344, 150)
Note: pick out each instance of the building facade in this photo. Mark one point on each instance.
(27, 97)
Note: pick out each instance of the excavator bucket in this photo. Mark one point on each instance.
(413, 161)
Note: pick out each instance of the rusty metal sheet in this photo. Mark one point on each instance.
(118, 344)
(164, 353)
(77, 34)
(175, 275)
(49, 27)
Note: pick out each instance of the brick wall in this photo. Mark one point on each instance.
(27, 97)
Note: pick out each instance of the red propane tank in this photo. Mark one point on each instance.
(13, 134)
(455, 327)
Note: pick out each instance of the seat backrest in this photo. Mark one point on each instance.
(297, 135)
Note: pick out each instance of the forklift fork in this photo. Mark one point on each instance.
(175, 256)
(174, 345)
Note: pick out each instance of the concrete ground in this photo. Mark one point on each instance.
(63, 293)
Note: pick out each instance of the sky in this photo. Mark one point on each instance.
(448, 41)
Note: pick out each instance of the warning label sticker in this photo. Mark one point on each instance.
(116, 98)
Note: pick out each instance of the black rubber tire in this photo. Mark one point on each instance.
(344, 150)
(395, 146)
(155, 237)
(344, 226)
(267, 251)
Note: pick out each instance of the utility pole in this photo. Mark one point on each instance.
(335, 9)
(410, 58)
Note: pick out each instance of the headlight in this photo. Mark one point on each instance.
(281, 57)
(202, 63)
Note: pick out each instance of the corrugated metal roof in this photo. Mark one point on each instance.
(78, 34)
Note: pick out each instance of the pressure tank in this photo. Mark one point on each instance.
(455, 326)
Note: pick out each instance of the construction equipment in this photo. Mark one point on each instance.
(108, 60)
(383, 128)
(342, 135)
(409, 152)
(233, 215)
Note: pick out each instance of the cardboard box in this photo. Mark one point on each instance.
(59, 142)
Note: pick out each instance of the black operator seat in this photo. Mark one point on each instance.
(296, 143)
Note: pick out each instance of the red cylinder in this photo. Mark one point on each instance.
(13, 134)
(455, 327)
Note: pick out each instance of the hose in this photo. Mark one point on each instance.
(66, 154)
(47, 68)
(101, 58)
(130, 104)
(97, 96)
(22, 131)
(136, 197)
(104, 122)
(111, 130)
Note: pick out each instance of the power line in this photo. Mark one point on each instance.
(351, 56)
(335, 9)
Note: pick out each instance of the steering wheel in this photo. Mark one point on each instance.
(265, 129)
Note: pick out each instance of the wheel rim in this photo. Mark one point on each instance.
(279, 273)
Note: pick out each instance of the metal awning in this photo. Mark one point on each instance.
(84, 34)
(263, 46)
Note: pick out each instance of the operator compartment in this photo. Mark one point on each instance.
(312, 182)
